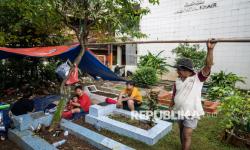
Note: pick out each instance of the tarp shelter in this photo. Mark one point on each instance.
(89, 63)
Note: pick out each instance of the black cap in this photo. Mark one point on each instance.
(185, 64)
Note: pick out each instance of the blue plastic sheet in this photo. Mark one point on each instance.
(89, 63)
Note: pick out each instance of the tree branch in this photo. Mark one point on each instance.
(65, 20)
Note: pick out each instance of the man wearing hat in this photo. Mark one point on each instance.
(187, 94)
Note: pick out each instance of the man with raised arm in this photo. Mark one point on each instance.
(187, 94)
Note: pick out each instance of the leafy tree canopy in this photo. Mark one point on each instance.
(28, 23)
(114, 17)
(193, 52)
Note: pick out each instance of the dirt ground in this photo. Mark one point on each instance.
(105, 94)
(8, 145)
(82, 122)
(72, 142)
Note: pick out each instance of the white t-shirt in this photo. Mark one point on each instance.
(187, 96)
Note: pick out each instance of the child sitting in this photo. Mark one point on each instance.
(70, 107)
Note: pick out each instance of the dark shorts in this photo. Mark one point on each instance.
(125, 105)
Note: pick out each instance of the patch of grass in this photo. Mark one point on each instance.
(119, 87)
(205, 137)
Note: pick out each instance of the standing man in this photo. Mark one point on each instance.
(187, 95)
(130, 97)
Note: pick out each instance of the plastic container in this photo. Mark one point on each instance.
(5, 106)
(66, 133)
(32, 128)
(59, 143)
(38, 127)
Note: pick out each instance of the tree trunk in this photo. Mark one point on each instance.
(65, 90)
(82, 34)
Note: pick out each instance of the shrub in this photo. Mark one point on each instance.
(219, 93)
(145, 76)
(222, 85)
(152, 101)
(236, 111)
(17, 70)
(192, 52)
(223, 79)
(154, 61)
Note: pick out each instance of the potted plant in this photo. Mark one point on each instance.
(236, 119)
(220, 86)
(165, 98)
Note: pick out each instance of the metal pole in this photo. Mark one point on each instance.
(221, 40)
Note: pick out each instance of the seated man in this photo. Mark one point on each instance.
(80, 105)
(130, 97)
(83, 101)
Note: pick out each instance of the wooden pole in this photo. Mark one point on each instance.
(111, 57)
(221, 40)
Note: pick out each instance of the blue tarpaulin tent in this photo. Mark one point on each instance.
(89, 63)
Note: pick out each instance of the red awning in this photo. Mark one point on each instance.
(38, 51)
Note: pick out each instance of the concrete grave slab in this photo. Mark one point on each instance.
(28, 141)
(98, 118)
(90, 91)
(92, 137)
(110, 89)
(97, 110)
(23, 122)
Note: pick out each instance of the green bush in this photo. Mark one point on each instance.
(15, 71)
(222, 85)
(236, 111)
(145, 76)
(192, 52)
(223, 79)
(154, 61)
(152, 103)
(219, 93)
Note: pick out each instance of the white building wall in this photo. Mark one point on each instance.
(225, 19)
